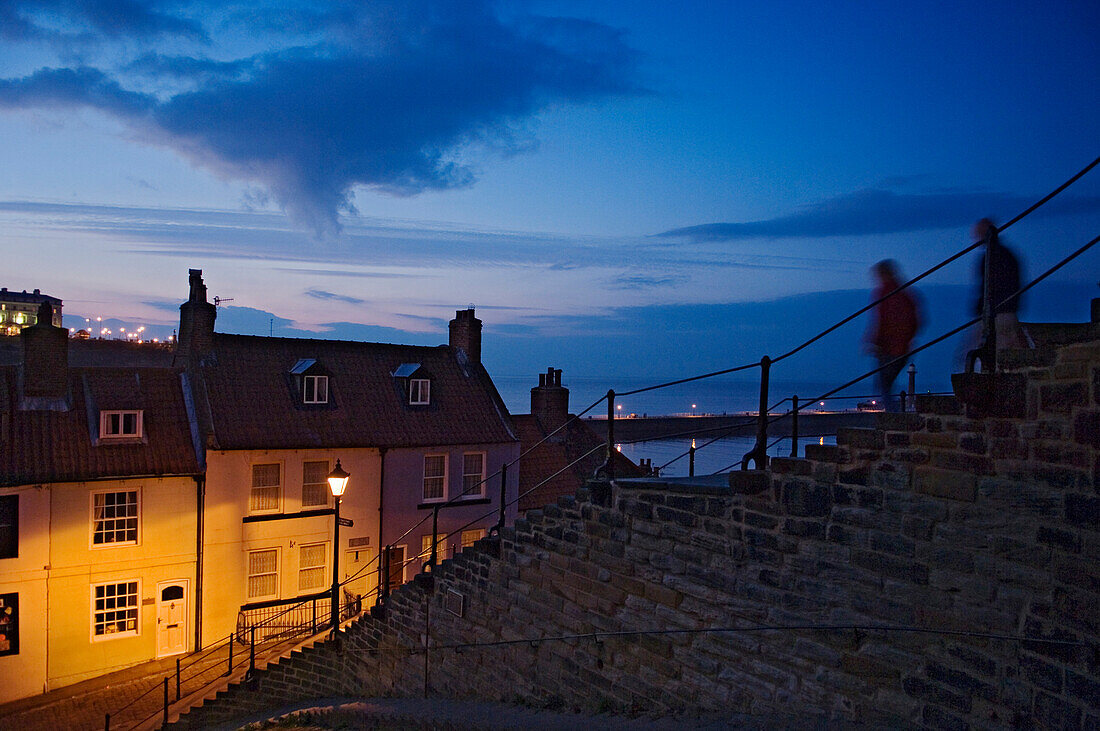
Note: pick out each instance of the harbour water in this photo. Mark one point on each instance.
(711, 396)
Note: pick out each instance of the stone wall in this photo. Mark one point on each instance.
(883, 579)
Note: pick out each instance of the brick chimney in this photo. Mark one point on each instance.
(466, 334)
(45, 357)
(196, 335)
(550, 400)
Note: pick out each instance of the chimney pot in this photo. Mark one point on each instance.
(550, 401)
(465, 333)
(45, 356)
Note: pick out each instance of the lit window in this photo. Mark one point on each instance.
(470, 537)
(115, 609)
(311, 566)
(115, 518)
(473, 474)
(426, 547)
(420, 391)
(20, 318)
(266, 487)
(315, 389)
(315, 490)
(263, 574)
(120, 424)
(9, 526)
(435, 476)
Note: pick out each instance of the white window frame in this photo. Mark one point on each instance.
(443, 493)
(252, 488)
(480, 476)
(135, 608)
(92, 517)
(420, 391)
(249, 575)
(325, 551)
(106, 417)
(326, 492)
(315, 389)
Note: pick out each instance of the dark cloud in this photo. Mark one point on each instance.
(89, 20)
(870, 212)
(397, 97)
(321, 294)
(637, 281)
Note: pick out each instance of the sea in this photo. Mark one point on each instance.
(710, 396)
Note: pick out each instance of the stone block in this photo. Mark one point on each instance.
(936, 440)
(949, 484)
(1086, 428)
(822, 452)
(961, 681)
(749, 482)
(1083, 688)
(806, 499)
(899, 422)
(1062, 398)
(805, 528)
(972, 443)
(933, 693)
(790, 466)
(1063, 540)
(891, 566)
(860, 438)
(1083, 510)
(1052, 712)
(854, 476)
(937, 404)
(898, 439)
(972, 463)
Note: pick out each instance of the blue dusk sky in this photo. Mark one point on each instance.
(623, 190)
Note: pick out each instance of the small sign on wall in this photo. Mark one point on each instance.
(454, 602)
(9, 624)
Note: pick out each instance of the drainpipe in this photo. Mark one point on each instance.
(381, 543)
(200, 527)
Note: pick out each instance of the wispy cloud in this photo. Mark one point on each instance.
(412, 94)
(869, 212)
(638, 281)
(321, 294)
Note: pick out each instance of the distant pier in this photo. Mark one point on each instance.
(810, 424)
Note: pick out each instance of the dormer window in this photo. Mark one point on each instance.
(315, 389)
(120, 424)
(420, 391)
(415, 382)
(312, 381)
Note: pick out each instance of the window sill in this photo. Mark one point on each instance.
(456, 503)
(286, 516)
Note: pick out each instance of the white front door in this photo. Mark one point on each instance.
(171, 617)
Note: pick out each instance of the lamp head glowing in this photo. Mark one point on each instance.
(338, 480)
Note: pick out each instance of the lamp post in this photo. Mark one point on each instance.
(337, 482)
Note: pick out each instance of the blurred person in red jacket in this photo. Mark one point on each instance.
(894, 324)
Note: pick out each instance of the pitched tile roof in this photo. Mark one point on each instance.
(38, 446)
(251, 400)
(555, 455)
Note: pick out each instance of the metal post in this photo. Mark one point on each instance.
(232, 639)
(384, 565)
(313, 621)
(503, 495)
(165, 722)
(177, 678)
(435, 536)
(691, 460)
(252, 653)
(759, 453)
(106, 722)
(608, 468)
(335, 600)
(794, 425)
(912, 371)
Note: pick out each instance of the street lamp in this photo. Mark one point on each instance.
(337, 482)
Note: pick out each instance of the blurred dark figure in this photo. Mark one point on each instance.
(1004, 282)
(894, 324)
